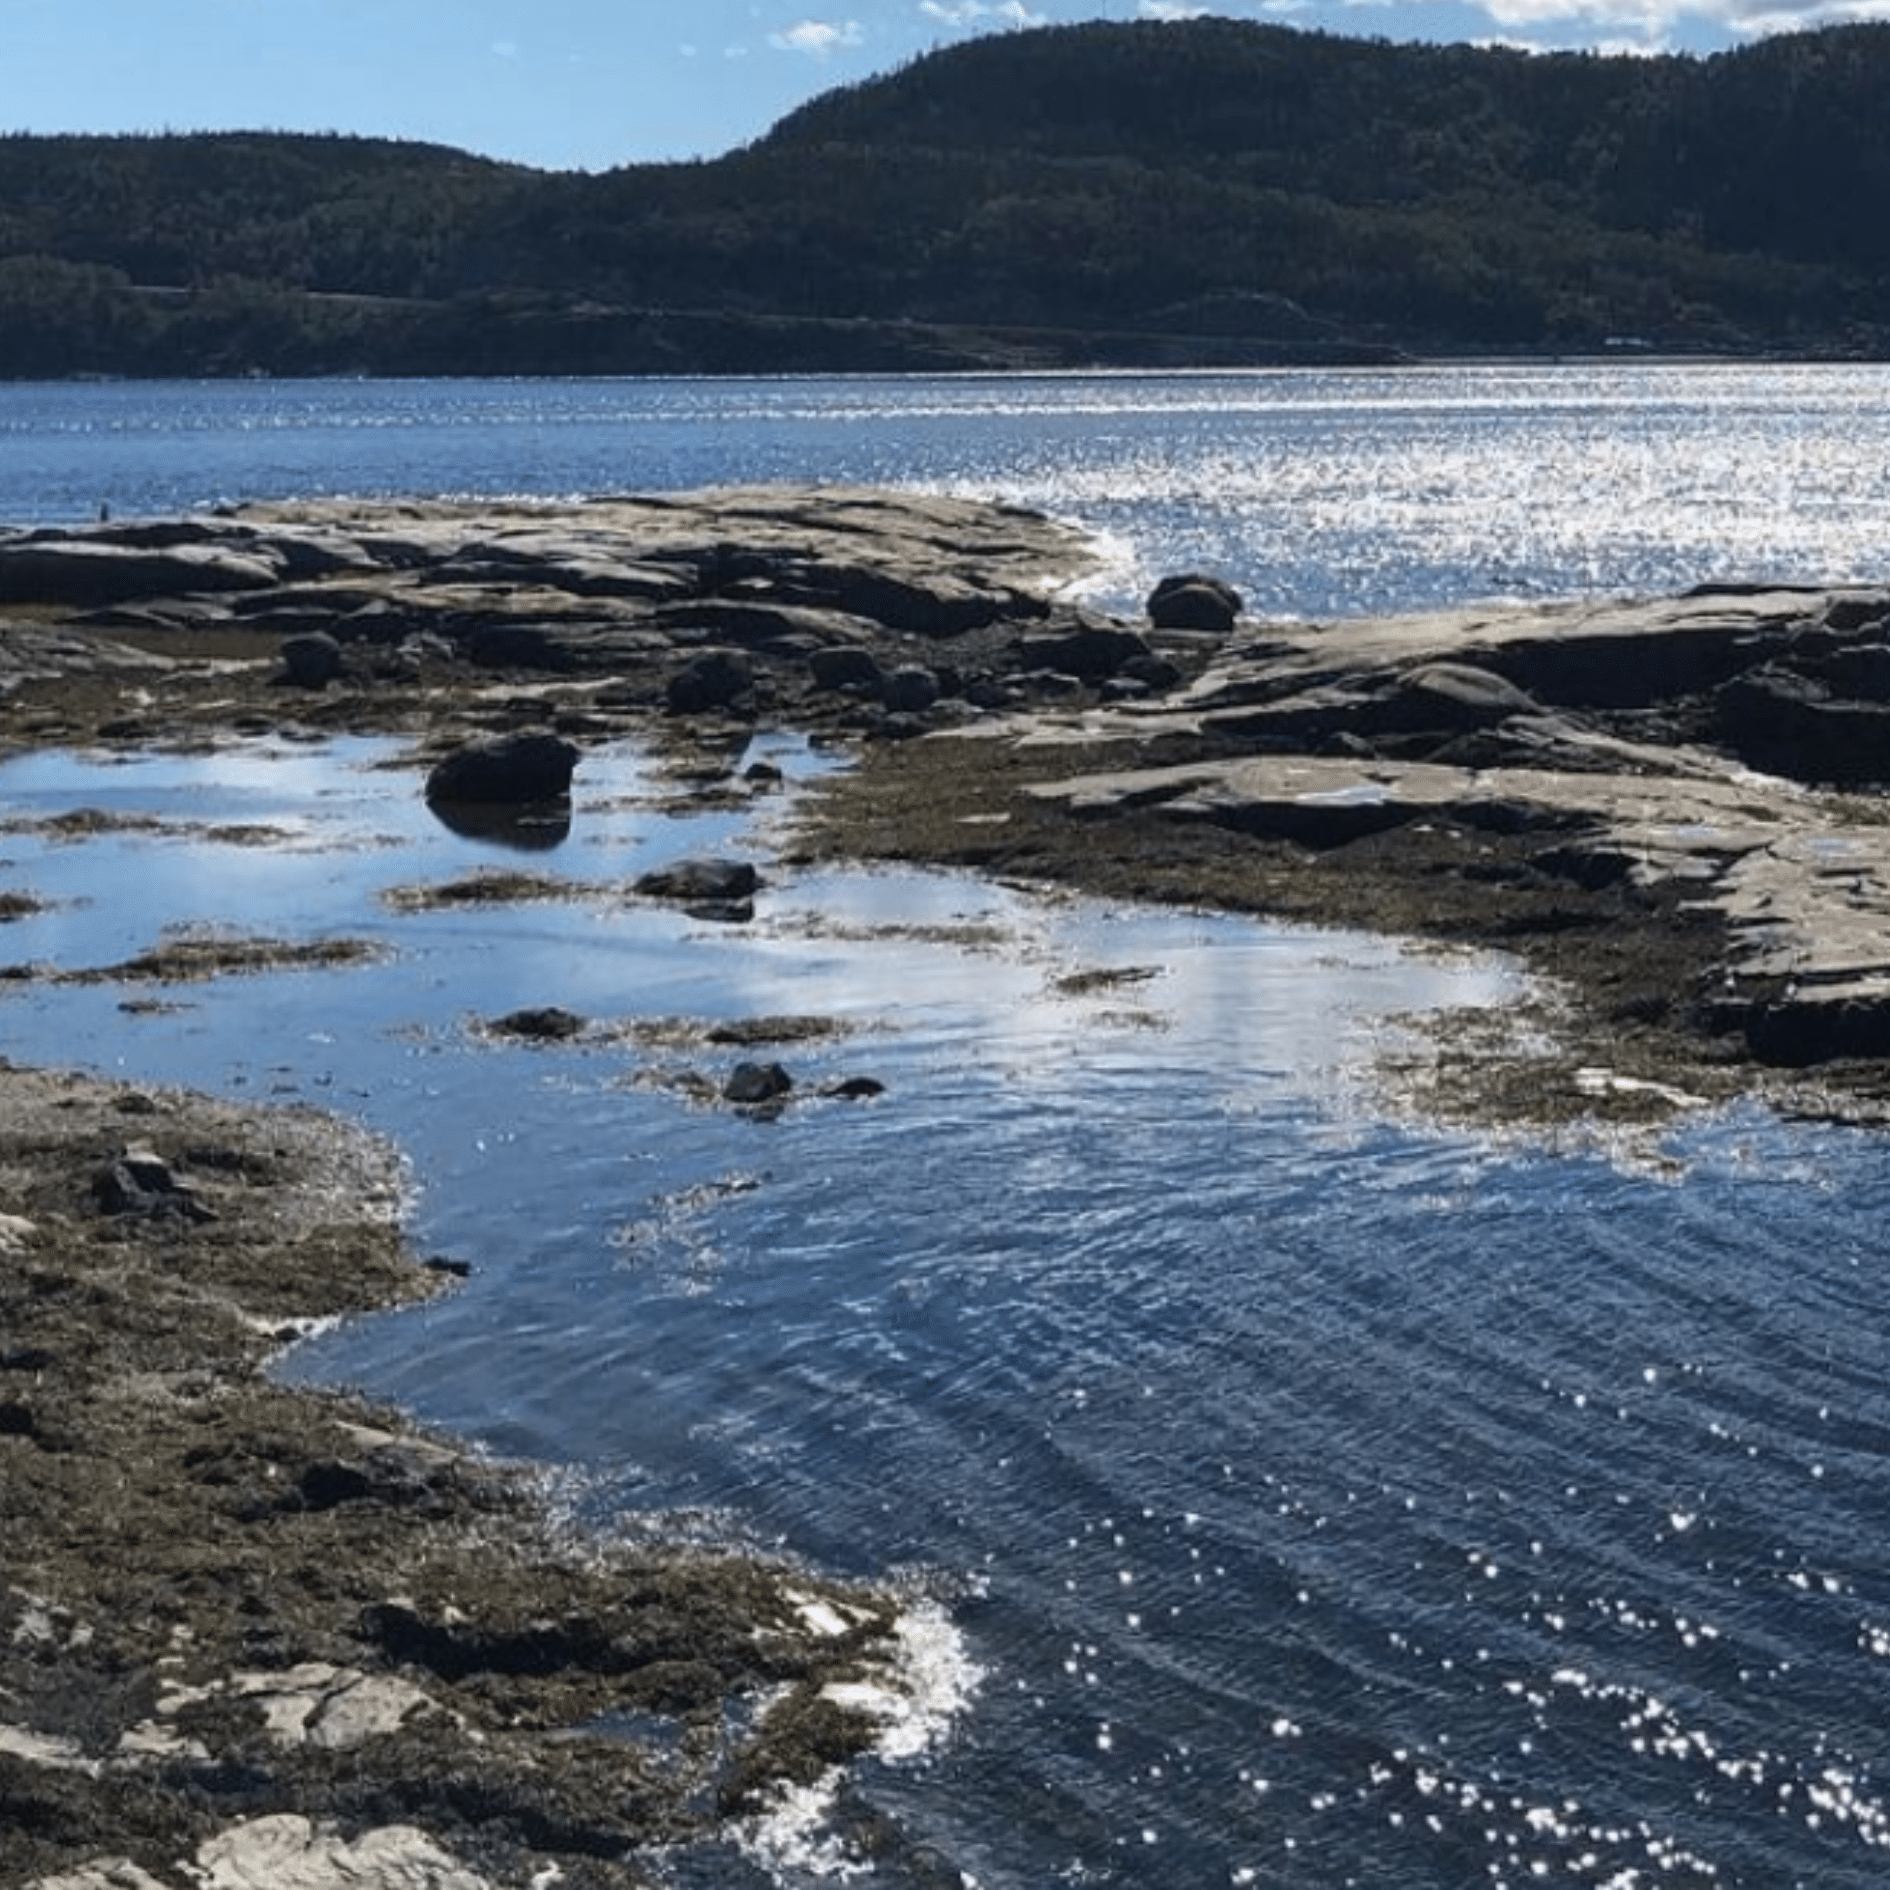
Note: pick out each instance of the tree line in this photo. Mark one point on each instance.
(1198, 190)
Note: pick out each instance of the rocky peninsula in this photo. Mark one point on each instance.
(254, 1636)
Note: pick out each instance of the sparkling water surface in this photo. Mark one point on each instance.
(1315, 1498)
(1317, 493)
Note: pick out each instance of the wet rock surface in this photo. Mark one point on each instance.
(250, 1634)
(258, 1635)
(1707, 755)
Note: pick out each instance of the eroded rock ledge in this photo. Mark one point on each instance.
(836, 603)
(1718, 757)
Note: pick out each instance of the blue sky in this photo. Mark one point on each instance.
(588, 84)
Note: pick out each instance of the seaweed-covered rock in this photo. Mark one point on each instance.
(701, 882)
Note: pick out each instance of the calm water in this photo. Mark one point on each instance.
(1315, 1500)
(1316, 492)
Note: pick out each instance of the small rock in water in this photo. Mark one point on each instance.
(547, 1023)
(701, 882)
(753, 1085)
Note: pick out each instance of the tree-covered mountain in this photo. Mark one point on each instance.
(1198, 190)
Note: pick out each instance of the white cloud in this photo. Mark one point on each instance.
(1657, 20)
(1763, 19)
(819, 39)
(962, 15)
(1171, 10)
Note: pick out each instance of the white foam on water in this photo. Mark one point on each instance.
(792, 1840)
(928, 1684)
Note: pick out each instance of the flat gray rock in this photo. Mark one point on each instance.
(81, 574)
(292, 1853)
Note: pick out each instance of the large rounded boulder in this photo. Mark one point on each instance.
(513, 771)
(1189, 601)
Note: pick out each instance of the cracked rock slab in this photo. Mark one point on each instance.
(292, 1853)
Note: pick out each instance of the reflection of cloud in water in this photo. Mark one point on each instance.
(981, 984)
(1037, 987)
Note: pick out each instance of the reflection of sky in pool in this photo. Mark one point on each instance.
(305, 842)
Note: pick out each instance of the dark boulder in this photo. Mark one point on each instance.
(845, 666)
(311, 661)
(514, 770)
(757, 1085)
(701, 882)
(1189, 601)
(911, 689)
(717, 679)
(1093, 651)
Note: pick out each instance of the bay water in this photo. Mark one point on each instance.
(1317, 493)
(1296, 1494)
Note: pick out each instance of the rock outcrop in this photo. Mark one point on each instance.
(262, 1637)
(727, 604)
(1717, 747)
(1725, 751)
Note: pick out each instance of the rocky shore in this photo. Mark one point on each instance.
(255, 1636)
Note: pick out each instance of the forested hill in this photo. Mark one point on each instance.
(1194, 191)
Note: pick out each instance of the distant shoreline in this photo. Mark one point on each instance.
(999, 368)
